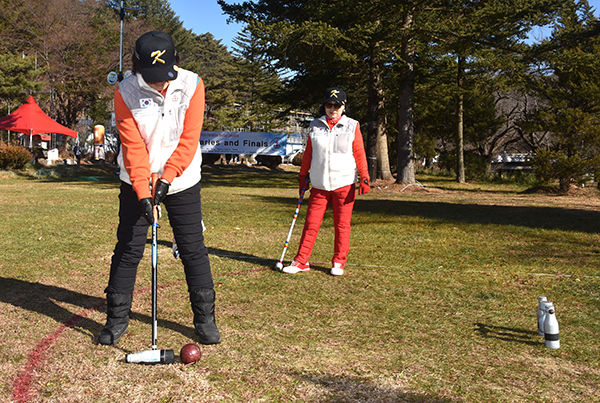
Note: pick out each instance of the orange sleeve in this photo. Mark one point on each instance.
(135, 153)
(306, 159)
(190, 137)
(358, 148)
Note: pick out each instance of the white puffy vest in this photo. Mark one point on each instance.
(333, 165)
(160, 121)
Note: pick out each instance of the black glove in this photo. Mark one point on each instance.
(162, 188)
(147, 209)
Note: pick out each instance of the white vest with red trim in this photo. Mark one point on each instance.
(160, 120)
(333, 165)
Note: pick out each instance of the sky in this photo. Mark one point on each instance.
(206, 16)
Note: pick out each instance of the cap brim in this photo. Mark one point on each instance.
(337, 101)
(158, 73)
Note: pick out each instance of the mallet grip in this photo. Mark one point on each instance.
(154, 178)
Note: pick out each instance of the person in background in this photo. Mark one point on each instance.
(159, 112)
(118, 169)
(334, 155)
(77, 153)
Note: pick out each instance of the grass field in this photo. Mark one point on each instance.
(438, 303)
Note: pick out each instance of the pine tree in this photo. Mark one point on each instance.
(17, 76)
(211, 60)
(329, 44)
(486, 39)
(567, 82)
(259, 83)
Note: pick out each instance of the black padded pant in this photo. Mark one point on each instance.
(185, 216)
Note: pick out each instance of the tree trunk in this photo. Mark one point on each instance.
(377, 151)
(405, 162)
(564, 184)
(372, 118)
(460, 159)
(383, 160)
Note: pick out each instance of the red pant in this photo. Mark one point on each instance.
(342, 201)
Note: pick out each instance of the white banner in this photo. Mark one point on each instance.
(248, 143)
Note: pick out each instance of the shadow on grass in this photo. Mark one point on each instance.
(508, 334)
(94, 173)
(245, 176)
(212, 175)
(524, 216)
(46, 299)
(356, 389)
(240, 256)
(270, 262)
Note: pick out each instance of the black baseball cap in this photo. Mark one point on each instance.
(335, 94)
(156, 53)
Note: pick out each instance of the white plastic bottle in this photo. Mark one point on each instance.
(541, 315)
(551, 327)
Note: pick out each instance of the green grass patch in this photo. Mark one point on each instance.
(438, 303)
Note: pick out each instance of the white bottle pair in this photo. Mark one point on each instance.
(547, 323)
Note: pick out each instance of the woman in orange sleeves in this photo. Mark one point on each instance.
(159, 112)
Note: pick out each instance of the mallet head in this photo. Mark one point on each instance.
(151, 357)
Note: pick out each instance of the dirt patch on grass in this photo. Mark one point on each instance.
(390, 186)
(555, 191)
(588, 197)
(581, 198)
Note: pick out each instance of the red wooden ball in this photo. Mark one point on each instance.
(190, 353)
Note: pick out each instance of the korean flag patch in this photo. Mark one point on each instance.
(319, 131)
(145, 102)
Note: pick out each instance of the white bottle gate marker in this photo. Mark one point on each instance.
(547, 324)
(541, 315)
(551, 327)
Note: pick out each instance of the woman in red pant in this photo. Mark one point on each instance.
(334, 155)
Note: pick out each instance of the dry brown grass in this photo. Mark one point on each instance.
(438, 303)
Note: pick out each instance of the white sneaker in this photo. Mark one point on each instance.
(337, 269)
(296, 267)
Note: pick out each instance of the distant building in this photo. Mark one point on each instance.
(511, 162)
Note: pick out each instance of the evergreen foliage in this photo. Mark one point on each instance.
(377, 50)
(407, 66)
(211, 60)
(18, 76)
(567, 83)
(259, 83)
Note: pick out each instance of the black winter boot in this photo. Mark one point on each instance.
(203, 306)
(117, 318)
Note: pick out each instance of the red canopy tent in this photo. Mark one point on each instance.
(30, 119)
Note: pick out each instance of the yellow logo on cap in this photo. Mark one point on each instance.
(334, 93)
(156, 55)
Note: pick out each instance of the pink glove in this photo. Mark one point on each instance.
(364, 187)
